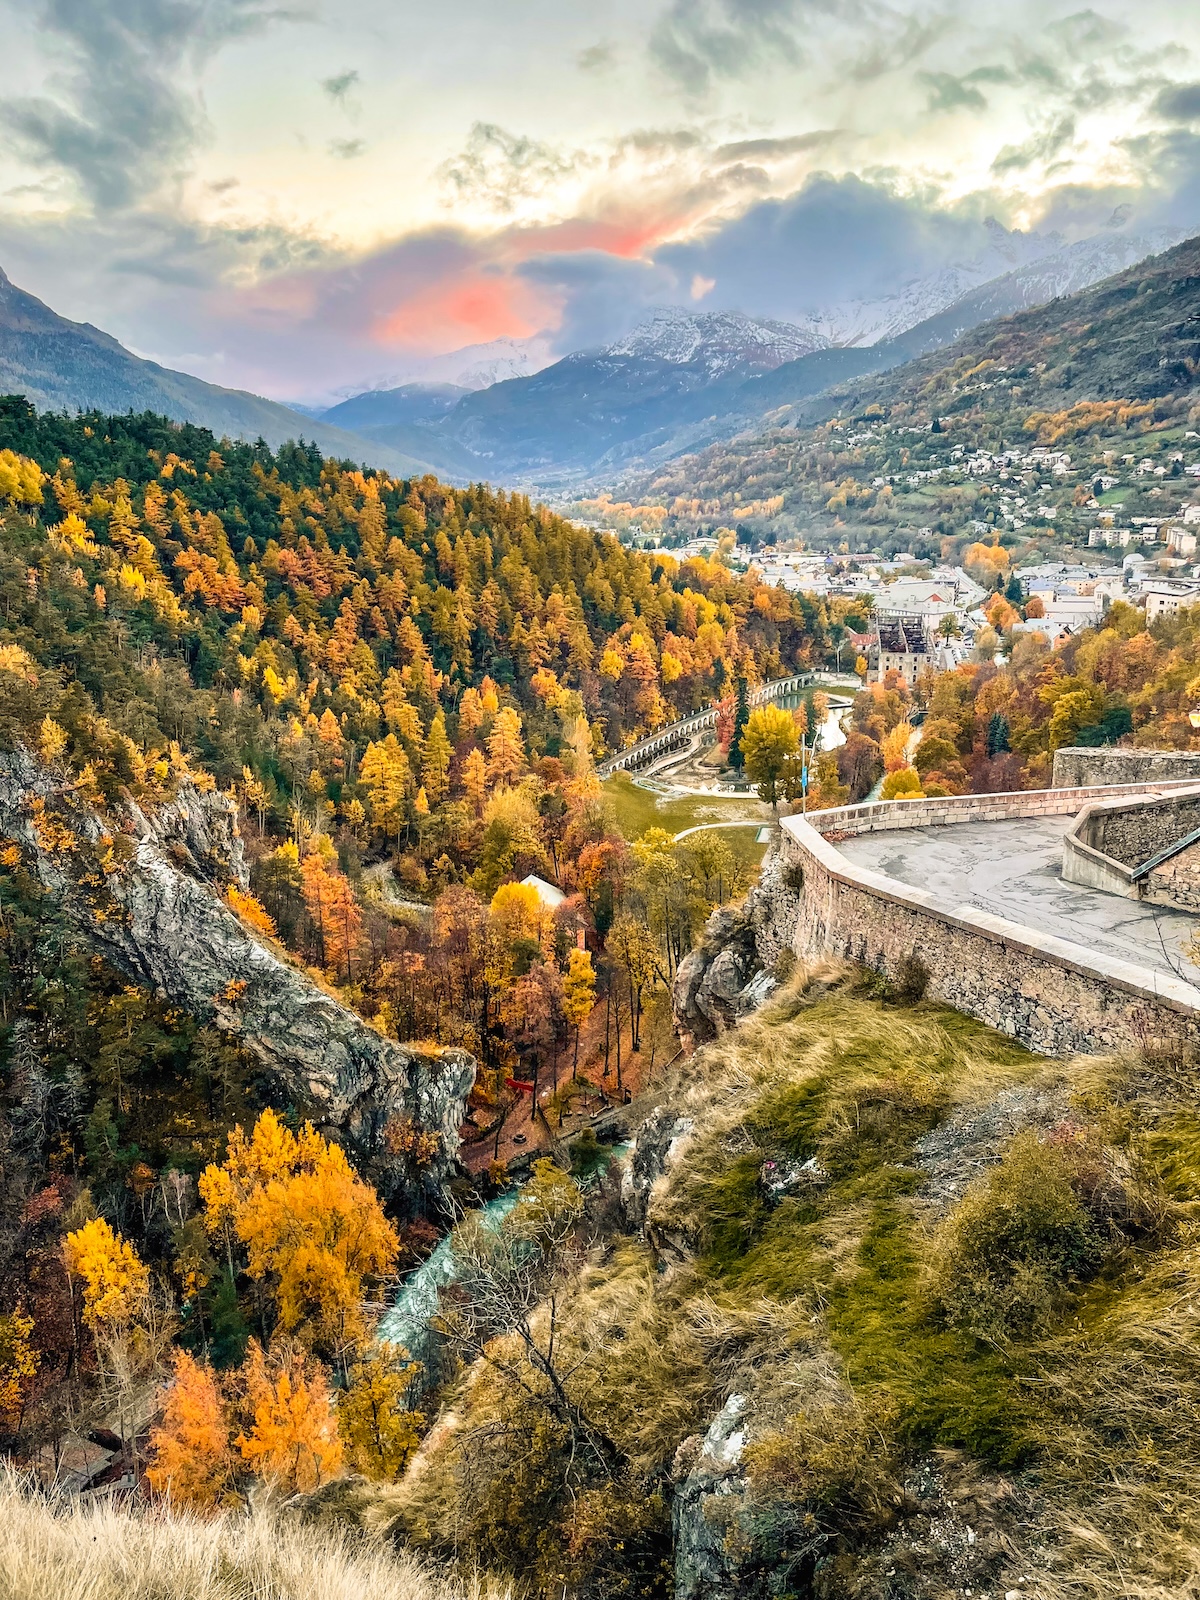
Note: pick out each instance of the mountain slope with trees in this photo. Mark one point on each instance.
(1097, 375)
(58, 364)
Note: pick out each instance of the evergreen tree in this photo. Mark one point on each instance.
(741, 716)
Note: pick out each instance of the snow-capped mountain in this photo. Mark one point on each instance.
(475, 366)
(721, 342)
(873, 320)
(1015, 271)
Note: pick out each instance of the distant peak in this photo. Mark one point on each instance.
(721, 340)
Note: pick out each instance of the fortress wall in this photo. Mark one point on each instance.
(1055, 996)
(1077, 767)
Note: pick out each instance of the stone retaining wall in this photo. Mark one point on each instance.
(1055, 996)
(1076, 768)
(1134, 831)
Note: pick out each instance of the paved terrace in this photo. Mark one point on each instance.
(1011, 869)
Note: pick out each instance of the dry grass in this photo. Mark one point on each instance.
(98, 1551)
(1078, 1429)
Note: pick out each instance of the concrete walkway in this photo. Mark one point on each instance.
(1012, 870)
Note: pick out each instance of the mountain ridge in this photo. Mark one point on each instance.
(58, 364)
(683, 379)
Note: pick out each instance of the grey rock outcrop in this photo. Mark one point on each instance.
(710, 979)
(728, 974)
(150, 912)
(648, 1161)
(710, 1490)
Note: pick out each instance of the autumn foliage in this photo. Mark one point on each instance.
(311, 1228)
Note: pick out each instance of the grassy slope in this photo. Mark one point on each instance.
(830, 1307)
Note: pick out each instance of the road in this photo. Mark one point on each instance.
(1012, 870)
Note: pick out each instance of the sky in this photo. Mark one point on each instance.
(312, 198)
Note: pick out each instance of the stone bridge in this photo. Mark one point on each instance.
(782, 691)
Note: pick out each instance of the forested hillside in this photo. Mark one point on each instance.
(1105, 378)
(399, 689)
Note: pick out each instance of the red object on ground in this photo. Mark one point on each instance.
(518, 1085)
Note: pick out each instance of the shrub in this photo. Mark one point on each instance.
(912, 978)
(828, 1472)
(1017, 1243)
(785, 965)
(904, 784)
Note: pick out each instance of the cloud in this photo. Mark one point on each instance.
(346, 149)
(948, 93)
(340, 85)
(836, 239)
(1087, 31)
(596, 58)
(777, 149)
(597, 297)
(501, 168)
(698, 41)
(119, 116)
(1043, 146)
(895, 41)
(1179, 102)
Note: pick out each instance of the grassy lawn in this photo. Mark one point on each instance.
(638, 809)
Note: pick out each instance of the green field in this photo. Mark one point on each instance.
(638, 809)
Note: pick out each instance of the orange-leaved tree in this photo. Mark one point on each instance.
(331, 906)
(193, 1460)
(250, 911)
(311, 1227)
(292, 1439)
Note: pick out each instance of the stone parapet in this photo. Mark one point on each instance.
(1055, 996)
(1077, 767)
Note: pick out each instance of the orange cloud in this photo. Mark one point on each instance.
(445, 288)
(469, 310)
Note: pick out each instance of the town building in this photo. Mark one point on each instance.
(903, 647)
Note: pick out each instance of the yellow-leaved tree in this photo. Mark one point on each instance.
(380, 1432)
(506, 748)
(114, 1281)
(19, 1361)
(579, 994)
(311, 1228)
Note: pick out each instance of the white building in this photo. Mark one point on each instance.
(1164, 597)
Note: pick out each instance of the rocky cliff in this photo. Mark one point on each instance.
(145, 889)
(731, 971)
